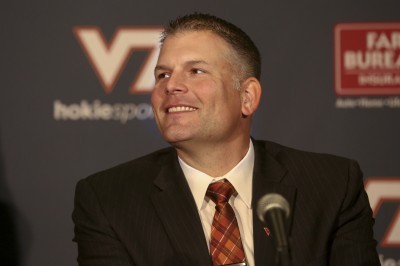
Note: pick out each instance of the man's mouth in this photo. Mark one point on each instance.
(176, 109)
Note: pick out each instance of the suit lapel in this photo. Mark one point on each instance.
(177, 210)
(269, 177)
(174, 204)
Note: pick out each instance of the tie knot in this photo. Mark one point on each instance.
(220, 191)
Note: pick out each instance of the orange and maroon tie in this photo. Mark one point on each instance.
(225, 244)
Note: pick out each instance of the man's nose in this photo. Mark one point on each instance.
(176, 84)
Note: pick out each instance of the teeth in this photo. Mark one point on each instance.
(181, 109)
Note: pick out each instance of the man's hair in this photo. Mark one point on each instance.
(247, 53)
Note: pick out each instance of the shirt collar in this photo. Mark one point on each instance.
(241, 177)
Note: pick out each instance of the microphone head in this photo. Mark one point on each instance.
(272, 201)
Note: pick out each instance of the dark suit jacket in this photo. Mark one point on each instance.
(143, 213)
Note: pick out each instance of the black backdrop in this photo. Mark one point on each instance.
(59, 123)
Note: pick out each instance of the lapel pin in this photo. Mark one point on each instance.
(267, 231)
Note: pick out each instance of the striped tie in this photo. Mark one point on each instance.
(225, 244)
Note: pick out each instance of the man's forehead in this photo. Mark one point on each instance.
(208, 47)
(201, 39)
(194, 33)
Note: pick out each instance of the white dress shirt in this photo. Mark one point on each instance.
(241, 177)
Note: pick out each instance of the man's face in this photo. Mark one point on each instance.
(194, 98)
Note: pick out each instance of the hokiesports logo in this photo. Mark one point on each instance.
(109, 58)
(367, 59)
(381, 191)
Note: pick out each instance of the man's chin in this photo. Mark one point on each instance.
(175, 139)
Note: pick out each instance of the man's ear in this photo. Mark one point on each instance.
(250, 95)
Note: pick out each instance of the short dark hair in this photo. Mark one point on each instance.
(241, 43)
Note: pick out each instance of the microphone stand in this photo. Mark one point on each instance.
(283, 257)
(275, 218)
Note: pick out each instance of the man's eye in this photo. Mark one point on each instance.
(162, 76)
(197, 71)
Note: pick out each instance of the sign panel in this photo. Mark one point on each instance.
(367, 59)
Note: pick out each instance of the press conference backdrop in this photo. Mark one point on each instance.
(76, 78)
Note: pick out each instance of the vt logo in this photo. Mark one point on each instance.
(381, 191)
(108, 59)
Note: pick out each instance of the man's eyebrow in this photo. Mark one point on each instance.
(194, 62)
(160, 67)
(187, 63)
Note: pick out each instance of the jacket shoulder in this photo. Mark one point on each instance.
(311, 166)
(285, 154)
(144, 167)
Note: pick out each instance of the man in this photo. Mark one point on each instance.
(165, 208)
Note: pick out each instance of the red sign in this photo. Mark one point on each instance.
(367, 59)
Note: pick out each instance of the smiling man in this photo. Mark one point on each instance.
(202, 103)
(193, 203)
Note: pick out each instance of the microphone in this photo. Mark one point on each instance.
(273, 209)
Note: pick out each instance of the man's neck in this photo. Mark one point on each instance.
(214, 160)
